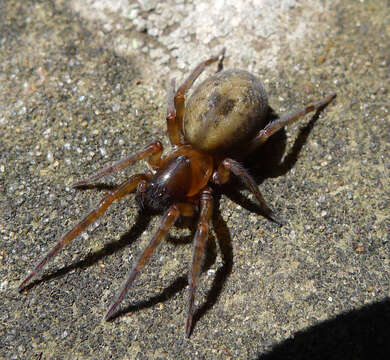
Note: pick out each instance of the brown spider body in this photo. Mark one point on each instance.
(181, 176)
(224, 117)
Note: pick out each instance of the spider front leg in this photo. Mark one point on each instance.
(173, 127)
(222, 175)
(186, 85)
(153, 151)
(278, 124)
(169, 219)
(124, 189)
(200, 239)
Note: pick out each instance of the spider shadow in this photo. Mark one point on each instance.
(179, 284)
(270, 165)
(97, 186)
(269, 161)
(110, 248)
(265, 162)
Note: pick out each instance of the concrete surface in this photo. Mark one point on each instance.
(82, 83)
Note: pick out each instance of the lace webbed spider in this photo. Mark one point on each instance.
(222, 121)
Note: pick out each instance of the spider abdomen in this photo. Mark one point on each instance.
(225, 111)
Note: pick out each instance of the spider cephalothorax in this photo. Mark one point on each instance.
(163, 189)
(224, 119)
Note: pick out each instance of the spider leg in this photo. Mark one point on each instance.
(274, 126)
(169, 219)
(153, 150)
(200, 239)
(186, 85)
(220, 62)
(124, 189)
(222, 175)
(173, 127)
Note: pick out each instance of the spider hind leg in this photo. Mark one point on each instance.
(200, 240)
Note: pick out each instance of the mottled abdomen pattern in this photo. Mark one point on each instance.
(225, 111)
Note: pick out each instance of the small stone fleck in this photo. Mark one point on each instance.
(50, 157)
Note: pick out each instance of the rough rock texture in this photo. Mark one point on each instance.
(82, 83)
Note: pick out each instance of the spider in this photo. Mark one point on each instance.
(223, 120)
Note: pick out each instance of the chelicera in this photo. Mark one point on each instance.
(224, 119)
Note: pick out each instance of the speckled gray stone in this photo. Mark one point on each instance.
(83, 83)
